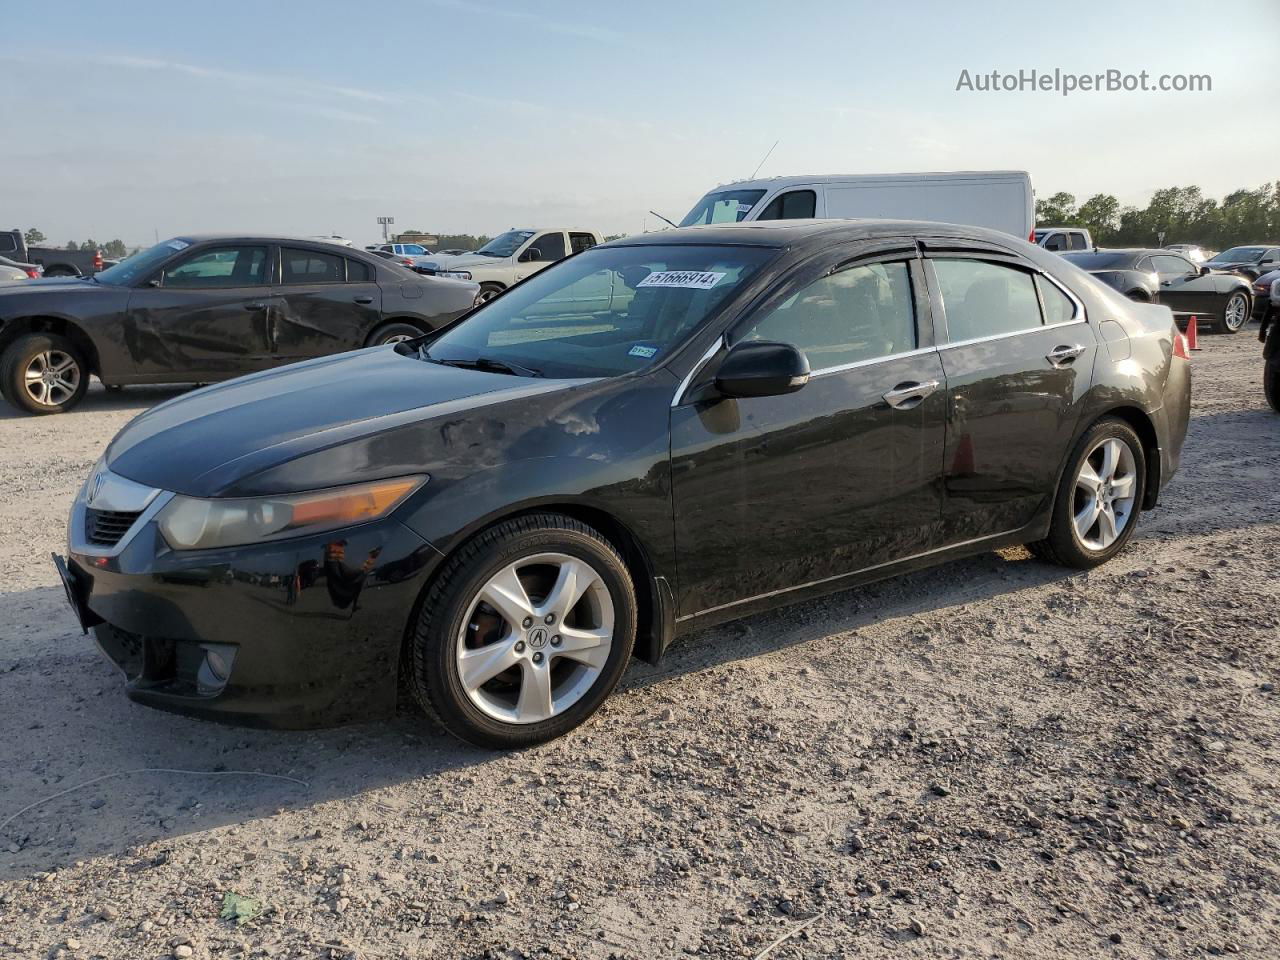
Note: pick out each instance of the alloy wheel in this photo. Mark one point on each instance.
(1106, 493)
(1236, 313)
(52, 377)
(536, 638)
(397, 338)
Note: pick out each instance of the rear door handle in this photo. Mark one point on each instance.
(907, 395)
(1064, 355)
(365, 299)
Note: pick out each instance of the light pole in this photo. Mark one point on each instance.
(385, 222)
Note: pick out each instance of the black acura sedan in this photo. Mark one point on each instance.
(646, 438)
(1222, 300)
(202, 309)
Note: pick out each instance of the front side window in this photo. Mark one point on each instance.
(792, 205)
(984, 299)
(856, 314)
(1168, 266)
(549, 247)
(644, 302)
(308, 266)
(724, 206)
(219, 267)
(1056, 241)
(7, 243)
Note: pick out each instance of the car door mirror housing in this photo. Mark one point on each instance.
(1205, 270)
(762, 369)
(533, 253)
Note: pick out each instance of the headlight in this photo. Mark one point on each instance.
(189, 523)
(454, 274)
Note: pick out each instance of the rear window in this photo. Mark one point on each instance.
(1102, 261)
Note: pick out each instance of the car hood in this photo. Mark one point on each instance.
(211, 442)
(46, 284)
(466, 260)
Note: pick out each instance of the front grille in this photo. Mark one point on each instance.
(104, 528)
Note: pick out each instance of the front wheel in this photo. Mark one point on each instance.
(1099, 498)
(524, 633)
(487, 292)
(1235, 314)
(393, 333)
(1271, 382)
(43, 373)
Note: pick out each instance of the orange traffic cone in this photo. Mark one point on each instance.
(1192, 342)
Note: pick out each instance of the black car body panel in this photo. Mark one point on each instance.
(145, 331)
(720, 506)
(1162, 276)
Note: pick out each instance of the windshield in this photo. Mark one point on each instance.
(505, 244)
(141, 264)
(1237, 254)
(725, 206)
(1101, 261)
(603, 313)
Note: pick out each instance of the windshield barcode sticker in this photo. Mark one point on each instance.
(688, 279)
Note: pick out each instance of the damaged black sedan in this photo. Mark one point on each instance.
(650, 437)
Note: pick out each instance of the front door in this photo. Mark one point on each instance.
(776, 493)
(1018, 359)
(205, 315)
(327, 303)
(1182, 289)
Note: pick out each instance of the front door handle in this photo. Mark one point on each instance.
(1064, 355)
(256, 305)
(910, 394)
(365, 299)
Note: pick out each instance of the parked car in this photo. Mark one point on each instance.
(407, 262)
(502, 514)
(1192, 252)
(1263, 307)
(1249, 261)
(1062, 239)
(414, 255)
(53, 261)
(516, 254)
(197, 309)
(1269, 334)
(999, 199)
(17, 270)
(1161, 276)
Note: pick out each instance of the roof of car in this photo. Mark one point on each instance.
(787, 233)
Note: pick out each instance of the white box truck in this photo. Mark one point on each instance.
(998, 199)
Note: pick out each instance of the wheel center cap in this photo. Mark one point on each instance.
(537, 638)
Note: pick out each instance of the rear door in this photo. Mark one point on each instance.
(327, 303)
(1018, 357)
(204, 315)
(775, 493)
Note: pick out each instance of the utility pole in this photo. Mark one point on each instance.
(385, 222)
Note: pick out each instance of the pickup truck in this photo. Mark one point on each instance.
(56, 262)
(510, 257)
(1063, 239)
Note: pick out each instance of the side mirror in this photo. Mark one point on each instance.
(533, 253)
(762, 369)
(1205, 271)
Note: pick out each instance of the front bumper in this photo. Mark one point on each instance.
(307, 632)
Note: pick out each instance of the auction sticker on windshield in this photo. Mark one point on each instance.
(687, 279)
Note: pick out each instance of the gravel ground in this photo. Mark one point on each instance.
(994, 758)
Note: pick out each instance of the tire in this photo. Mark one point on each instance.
(63, 370)
(1065, 545)
(1271, 383)
(487, 292)
(1235, 314)
(392, 333)
(1138, 296)
(501, 708)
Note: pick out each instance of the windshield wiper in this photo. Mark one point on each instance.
(492, 366)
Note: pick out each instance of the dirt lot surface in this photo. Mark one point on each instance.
(994, 758)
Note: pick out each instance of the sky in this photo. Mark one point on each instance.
(144, 119)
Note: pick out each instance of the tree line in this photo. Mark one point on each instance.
(1180, 214)
(114, 249)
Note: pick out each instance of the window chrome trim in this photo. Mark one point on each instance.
(711, 351)
(1012, 333)
(841, 368)
(851, 573)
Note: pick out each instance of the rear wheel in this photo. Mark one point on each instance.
(392, 333)
(1099, 498)
(1235, 314)
(43, 373)
(524, 633)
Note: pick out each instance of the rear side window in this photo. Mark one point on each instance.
(219, 267)
(793, 205)
(856, 314)
(1077, 242)
(308, 266)
(986, 299)
(581, 241)
(1058, 307)
(359, 272)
